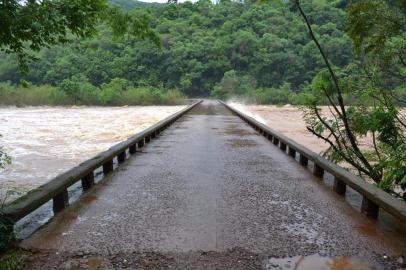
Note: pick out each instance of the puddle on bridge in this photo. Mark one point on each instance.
(93, 263)
(316, 262)
(88, 199)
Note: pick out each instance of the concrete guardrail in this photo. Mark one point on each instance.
(373, 197)
(57, 188)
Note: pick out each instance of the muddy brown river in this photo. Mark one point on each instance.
(288, 120)
(46, 141)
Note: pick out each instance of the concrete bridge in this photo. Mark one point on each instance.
(211, 192)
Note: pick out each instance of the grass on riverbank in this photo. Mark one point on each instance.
(12, 260)
(87, 94)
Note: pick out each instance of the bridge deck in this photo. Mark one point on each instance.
(209, 193)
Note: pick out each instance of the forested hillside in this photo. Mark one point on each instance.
(130, 4)
(255, 49)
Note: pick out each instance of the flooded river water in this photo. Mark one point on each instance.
(46, 141)
(289, 121)
(285, 119)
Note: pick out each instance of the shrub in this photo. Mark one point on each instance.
(11, 261)
(233, 85)
(79, 90)
(112, 93)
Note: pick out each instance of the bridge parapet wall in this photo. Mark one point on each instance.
(57, 188)
(373, 197)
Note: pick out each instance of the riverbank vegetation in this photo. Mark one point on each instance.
(78, 91)
(12, 260)
(377, 30)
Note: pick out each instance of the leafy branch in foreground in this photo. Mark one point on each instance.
(4, 158)
(4, 222)
(4, 227)
(373, 118)
(11, 261)
(28, 26)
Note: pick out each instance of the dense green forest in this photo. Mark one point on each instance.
(260, 51)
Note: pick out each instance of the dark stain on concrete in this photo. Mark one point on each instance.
(239, 132)
(242, 143)
(366, 230)
(89, 198)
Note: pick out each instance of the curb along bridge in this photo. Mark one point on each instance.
(211, 188)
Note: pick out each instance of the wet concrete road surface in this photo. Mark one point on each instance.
(210, 193)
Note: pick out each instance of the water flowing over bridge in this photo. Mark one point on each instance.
(205, 190)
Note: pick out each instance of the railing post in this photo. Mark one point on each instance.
(61, 201)
(369, 208)
(303, 160)
(7, 236)
(270, 137)
(292, 152)
(132, 149)
(88, 181)
(141, 143)
(283, 146)
(121, 157)
(318, 171)
(275, 141)
(339, 186)
(108, 166)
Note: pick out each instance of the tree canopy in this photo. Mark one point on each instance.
(377, 31)
(265, 43)
(32, 25)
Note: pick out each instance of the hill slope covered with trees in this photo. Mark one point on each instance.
(257, 50)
